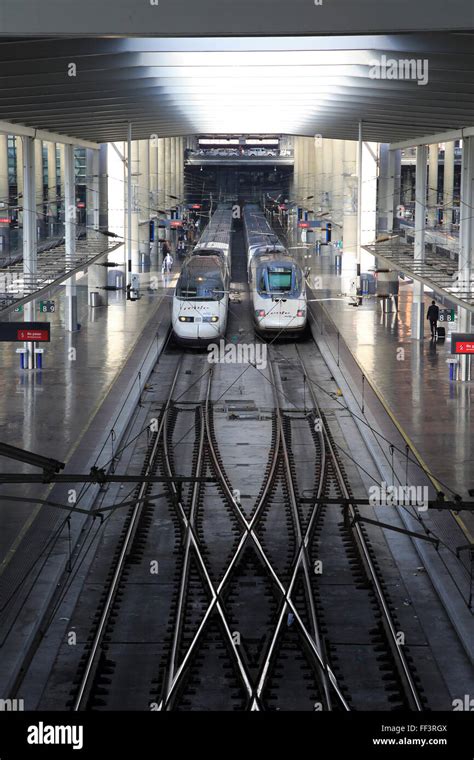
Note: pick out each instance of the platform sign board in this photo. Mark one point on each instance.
(462, 343)
(311, 224)
(16, 332)
(447, 315)
(47, 307)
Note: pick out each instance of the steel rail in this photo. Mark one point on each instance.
(250, 533)
(173, 683)
(301, 560)
(122, 557)
(402, 665)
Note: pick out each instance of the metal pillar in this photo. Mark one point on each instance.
(466, 246)
(30, 253)
(92, 193)
(417, 316)
(70, 235)
(40, 223)
(337, 183)
(4, 199)
(52, 192)
(326, 175)
(433, 185)
(161, 174)
(394, 188)
(448, 185)
(154, 197)
(19, 166)
(129, 204)
(97, 273)
(135, 206)
(359, 210)
(144, 195)
(388, 197)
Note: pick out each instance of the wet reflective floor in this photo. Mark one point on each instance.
(413, 376)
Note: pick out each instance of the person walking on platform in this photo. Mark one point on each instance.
(433, 316)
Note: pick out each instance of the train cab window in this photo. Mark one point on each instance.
(280, 281)
(200, 283)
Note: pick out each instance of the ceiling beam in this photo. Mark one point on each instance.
(9, 128)
(453, 134)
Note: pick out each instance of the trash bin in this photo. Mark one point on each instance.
(94, 299)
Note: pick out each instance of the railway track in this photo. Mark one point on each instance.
(251, 621)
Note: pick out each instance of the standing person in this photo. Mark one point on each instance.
(433, 316)
(167, 264)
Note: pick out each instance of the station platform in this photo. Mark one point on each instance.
(412, 378)
(67, 411)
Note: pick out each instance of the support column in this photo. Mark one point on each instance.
(311, 171)
(4, 196)
(135, 212)
(97, 276)
(385, 189)
(349, 231)
(177, 143)
(52, 182)
(154, 197)
(174, 168)
(448, 185)
(327, 175)
(417, 316)
(70, 235)
(19, 167)
(128, 206)
(161, 173)
(359, 209)
(337, 183)
(144, 196)
(62, 180)
(318, 158)
(394, 189)
(433, 186)
(466, 246)
(29, 234)
(168, 178)
(39, 188)
(181, 170)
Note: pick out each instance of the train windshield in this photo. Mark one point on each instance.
(200, 281)
(283, 279)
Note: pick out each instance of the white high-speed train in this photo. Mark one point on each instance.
(201, 297)
(276, 281)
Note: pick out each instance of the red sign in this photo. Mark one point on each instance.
(464, 347)
(33, 335)
(4, 220)
(303, 225)
(176, 223)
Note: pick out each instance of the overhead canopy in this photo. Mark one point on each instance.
(228, 17)
(90, 88)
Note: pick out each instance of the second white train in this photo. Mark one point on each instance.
(276, 281)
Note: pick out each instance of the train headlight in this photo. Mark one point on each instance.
(259, 313)
(300, 312)
(186, 319)
(214, 318)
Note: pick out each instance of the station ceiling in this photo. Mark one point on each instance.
(90, 88)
